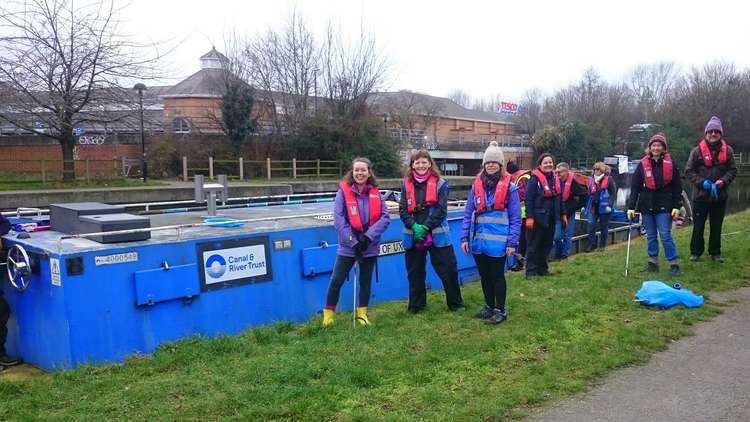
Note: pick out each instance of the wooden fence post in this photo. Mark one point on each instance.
(211, 168)
(318, 167)
(242, 169)
(268, 167)
(294, 168)
(184, 169)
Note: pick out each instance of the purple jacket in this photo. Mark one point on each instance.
(347, 237)
(513, 207)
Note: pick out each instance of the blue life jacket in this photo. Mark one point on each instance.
(491, 229)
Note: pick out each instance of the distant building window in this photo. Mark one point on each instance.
(181, 125)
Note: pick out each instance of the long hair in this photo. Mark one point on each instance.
(602, 167)
(349, 177)
(422, 153)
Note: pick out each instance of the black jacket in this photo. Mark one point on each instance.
(423, 216)
(578, 195)
(696, 172)
(543, 209)
(663, 199)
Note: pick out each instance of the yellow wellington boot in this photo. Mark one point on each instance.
(328, 317)
(362, 316)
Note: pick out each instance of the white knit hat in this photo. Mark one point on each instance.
(493, 153)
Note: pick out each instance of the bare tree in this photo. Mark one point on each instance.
(65, 65)
(530, 115)
(461, 98)
(651, 83)
(285, 65)
(411, 110)
(491, 103)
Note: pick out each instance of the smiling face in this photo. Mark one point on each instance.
(656, 149)
(491, 167)
(562, 173)
(421, 165)
(547, 164)
(360, 172)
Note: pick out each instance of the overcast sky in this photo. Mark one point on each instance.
(481, 47)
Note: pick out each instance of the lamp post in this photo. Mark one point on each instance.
(144, 164)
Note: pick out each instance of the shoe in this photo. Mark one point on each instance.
(695, 258)
(415, 310)
(674, 270)
(531, 275)
(651, 267)
(563, 258)
(498, 316)
(483, 313)
(6, 361)
(328, 317)
(362, 316)
(588, 249)
(459, 308)
(601, 249)
(717, 258)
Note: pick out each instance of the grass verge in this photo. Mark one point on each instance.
(563, 332)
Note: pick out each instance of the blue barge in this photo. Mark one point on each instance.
(89, 302)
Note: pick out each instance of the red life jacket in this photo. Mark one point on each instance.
(352, 208)
(566, 187)
(431, 196)
(594, 188)
(708, 158)
(501, 194)
(548, 192)
(648, 171)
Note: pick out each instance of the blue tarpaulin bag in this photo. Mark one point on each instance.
(656, 293)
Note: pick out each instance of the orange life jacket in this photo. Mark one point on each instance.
(352, 207)
(501, 194)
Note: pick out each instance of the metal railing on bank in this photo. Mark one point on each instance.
(242, 169)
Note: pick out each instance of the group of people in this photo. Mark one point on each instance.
(511, 214)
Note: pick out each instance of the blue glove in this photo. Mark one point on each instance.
(714, 192)
(707, 185)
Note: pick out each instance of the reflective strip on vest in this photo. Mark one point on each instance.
(483, 219)
(494, 237)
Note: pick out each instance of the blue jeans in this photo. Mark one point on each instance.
(563, 237)
(661, 223)
(598, 222)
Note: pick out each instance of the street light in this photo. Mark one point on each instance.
(144, 164)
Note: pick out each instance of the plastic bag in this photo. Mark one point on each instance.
(656, 293)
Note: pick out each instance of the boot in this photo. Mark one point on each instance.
(328, 318)
(498, 316)
(362, 316)
(651, 267)
(674, 270)
(484, 313)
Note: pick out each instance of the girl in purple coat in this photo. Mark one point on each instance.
(360, 216)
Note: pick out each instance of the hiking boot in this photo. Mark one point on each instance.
(651, 267)
(695, 258)
(6, 360)
(674, 270)
(498, 316)
(362, 316)
(483, 313)
(328, 318)
(717, 258)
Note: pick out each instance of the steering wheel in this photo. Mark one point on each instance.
(19, 268)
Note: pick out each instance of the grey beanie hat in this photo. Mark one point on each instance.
(493, 153)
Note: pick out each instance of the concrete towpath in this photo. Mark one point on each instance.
(705, 377)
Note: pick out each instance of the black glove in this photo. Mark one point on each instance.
(362, 245)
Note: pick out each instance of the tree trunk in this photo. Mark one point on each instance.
(67, 143)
